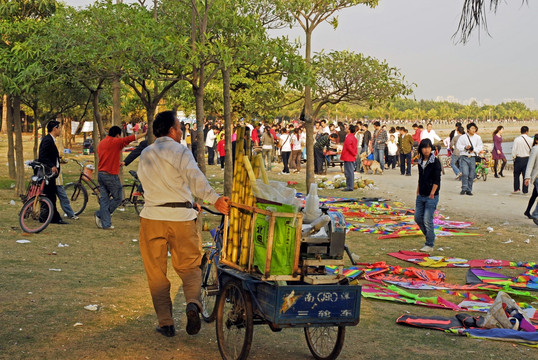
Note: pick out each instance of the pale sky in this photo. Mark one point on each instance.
(416, 37)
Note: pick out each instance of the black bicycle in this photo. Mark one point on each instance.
(78, 194)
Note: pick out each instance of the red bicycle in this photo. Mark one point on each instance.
(37, 210)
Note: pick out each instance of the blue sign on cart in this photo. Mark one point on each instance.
(311, 304)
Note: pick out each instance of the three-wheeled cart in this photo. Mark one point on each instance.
(238, 300)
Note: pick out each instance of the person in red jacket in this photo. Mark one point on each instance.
(221, 150)
(109, 151)
(349, 156)
(416, 135)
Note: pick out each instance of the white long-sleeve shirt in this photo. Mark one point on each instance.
(210, 139)
(169, 173)
(476, 142)
(392, 147)
(432, 135)
(522, 146)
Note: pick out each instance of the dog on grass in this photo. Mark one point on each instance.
(370, 165)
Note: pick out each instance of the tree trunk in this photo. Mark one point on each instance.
(4, 114)
(200, 151)
(97, 114)
(36, 132)
(19, 155)
(116, 101)
(228, 170)
(309, 123)
(150, 115)
(10, 144)
(98, 129)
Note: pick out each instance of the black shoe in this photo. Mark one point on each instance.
(527, 214)
(501, 174)
(347, 189)
(193, 319)
(497, 176)
(463, 192)
(469, 193)
(167, 330)
(61, 222)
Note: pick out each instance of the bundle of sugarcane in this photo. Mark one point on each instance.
(237, 192)
(247, 216)
(243, 189)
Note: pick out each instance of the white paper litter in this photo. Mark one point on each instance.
(508, 241)
(23, 241)
(527, 241)
(12, 202)
(78, 324)
(135, 240)
(489, 229)
(55, 269)
(91, 307)
(60, 245)
(440, 249)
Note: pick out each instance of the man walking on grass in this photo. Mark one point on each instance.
(170, 177)
(50, 157)
(109, 151)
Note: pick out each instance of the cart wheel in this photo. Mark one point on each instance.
(234, 322)
(210, 288)
(325, 342)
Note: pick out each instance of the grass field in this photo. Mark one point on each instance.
(39, 307)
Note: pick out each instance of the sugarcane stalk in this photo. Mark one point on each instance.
(251, 175)
(262, 169)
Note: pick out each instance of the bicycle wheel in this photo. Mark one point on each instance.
(35, 216)
(484, 174)
(210, 288)
(234, 322)
(78, 197)
(138, 202)
(325, 342)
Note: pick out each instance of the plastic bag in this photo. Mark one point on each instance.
(283, 240)
(497, 315)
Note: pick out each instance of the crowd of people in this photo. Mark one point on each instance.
(171, 179)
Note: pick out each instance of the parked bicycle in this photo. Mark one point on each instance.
(78, 194)
(37, 210)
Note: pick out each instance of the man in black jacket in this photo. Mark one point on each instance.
(50, 157)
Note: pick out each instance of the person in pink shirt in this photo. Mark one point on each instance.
(349, 156)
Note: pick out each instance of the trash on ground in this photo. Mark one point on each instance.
(23, 241)
(91, 307)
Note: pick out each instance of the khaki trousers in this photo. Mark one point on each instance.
(182, 239)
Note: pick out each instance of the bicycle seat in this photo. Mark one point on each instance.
(35, 164)
(133, 174)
